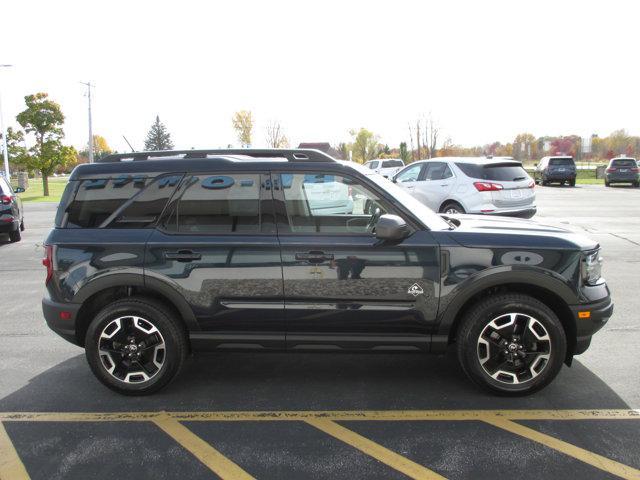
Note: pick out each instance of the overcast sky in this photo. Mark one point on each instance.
(487, 70)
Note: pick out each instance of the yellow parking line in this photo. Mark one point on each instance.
(373, 449)
(212, 458)
(11, 467)
(598, 461)
(336, 415)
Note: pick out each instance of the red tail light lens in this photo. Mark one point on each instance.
(487, 186)
(609, 170)
(635, 170)
(47, 261)
(6, 199)
(532, 184)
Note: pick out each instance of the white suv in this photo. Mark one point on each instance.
(495, 186)
(387, 167)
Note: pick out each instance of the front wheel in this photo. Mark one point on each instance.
(135, 346)
(511, 344)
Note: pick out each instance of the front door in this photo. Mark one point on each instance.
(217, 246)
(343, 287)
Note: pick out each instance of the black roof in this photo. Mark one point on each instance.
(158, 162)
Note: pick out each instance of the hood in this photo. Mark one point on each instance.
(483, 231)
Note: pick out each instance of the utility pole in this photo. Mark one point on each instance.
(5, 151)
(88, 84)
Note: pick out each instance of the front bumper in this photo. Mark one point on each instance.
(599, 313)
(65, 328)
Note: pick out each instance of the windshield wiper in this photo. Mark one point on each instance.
(518, 179)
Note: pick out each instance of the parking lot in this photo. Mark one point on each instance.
(244, 415)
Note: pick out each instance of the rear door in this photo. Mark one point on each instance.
(438, 182)
(342, 286)
(217, 246)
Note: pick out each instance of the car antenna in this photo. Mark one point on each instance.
(132, 149)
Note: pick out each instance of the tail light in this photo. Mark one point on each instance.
(47, 261)
(635, 170)
(609, 170)
(6, 199)
(487, 186)
(532, 184)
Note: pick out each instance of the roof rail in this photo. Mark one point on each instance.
(293, 155)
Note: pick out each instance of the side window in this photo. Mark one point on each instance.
(327, 203)
(437, 171)
(97, 199)
(219, 203)
(411, 174)
(145, 209)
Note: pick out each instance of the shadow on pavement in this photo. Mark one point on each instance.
(297, 381)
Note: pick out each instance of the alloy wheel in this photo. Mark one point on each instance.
(131, 349)
(514, 348)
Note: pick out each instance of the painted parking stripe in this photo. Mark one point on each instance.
(373, 449)
(212, 458)
(11, 467)
(598, 461)
(335, 415)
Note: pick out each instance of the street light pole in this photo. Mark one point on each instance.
(5, 152)
(88, 84)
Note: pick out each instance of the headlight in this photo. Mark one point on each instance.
(591, 267)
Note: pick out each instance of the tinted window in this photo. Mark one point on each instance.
(145, 209)
(392, 163)
(411, 174)
(628, 162)
(328, 203)
(214, 204)
(498, 172)
(437, 171)
(561, 161)
(96, 200)
(67, 197)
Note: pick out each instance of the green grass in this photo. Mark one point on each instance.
(35, 194)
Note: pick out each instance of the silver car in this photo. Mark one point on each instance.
(493, 186)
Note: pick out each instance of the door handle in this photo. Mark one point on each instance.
(444, 184)
(410, 187)
(182, 256)
(314, 256)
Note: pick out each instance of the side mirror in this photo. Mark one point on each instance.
(391, 227)
(19, 190)
(394, 179)
(535, 164)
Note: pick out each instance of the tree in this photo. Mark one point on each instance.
(405, 156)
(17, 150)
(100, 148)
(158, 137)
(43, 118)
(364, 146)
(524, 146)
(275, 136)
(431, 132)
(243, 125)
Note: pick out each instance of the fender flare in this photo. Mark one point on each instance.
(499, 276)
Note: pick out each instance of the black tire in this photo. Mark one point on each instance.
(482, 314)
(448, 207)
(607, 184)
(22, 226)
(15, 236)
(545, 182)
(636, 184)
(155, 314)
(572, 183)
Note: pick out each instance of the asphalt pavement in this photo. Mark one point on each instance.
(342, 433)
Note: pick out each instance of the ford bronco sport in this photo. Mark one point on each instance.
(158, 254)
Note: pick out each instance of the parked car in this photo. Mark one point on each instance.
(11, 211)
(622, 170)
(561, 169)
(183, 251)
(491, 186)
(387, 167)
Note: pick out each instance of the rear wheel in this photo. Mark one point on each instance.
(452, 208)
(636, 184)
(135, 346)
(15, 236)
(572, 183)
(607, 184)
(22, 226)
(511, 344)
(545, 182)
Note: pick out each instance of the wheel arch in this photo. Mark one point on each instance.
(97, 294)
(550, 291)
(451, 200)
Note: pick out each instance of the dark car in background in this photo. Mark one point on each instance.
(560, 169)
(11, 211)
(622, 170)
(158, 254)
